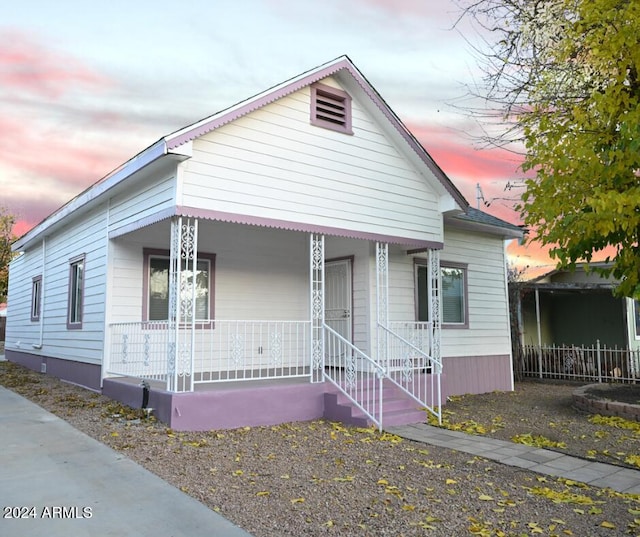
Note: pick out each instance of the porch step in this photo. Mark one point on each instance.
(397, 409)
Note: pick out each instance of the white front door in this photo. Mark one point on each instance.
(338, 302)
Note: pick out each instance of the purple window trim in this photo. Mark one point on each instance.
(148, 253)
(321, 90)
(79, 306)
(36, 297)
(446, 264)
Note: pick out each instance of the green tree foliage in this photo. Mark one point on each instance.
(564, 75)
(6, 237)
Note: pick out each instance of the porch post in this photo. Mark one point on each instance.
(382, 300)
(435, 307)
(316, 269)
(181, 322)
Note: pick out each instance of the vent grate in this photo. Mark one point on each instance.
(331, 108)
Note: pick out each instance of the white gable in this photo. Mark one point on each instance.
(274, 165)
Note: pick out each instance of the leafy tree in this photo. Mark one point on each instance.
(6, 237)
(563, 75)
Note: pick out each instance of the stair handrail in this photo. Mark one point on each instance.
(436, 368)
(350, 385)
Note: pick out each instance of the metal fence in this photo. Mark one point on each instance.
(597, 363)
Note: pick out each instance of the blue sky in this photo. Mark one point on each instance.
(86, 85)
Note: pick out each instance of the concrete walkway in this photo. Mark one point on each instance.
(542, 461)
(69, 484)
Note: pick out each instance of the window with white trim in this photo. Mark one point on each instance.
(453, 295)
(331, 108)
(36, 297)
(156, 281)
(76, 292)
(636, 316)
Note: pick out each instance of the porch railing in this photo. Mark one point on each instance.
(223, 350)
(410, 364)
(597, 363)
(354, 373)
(139, 350)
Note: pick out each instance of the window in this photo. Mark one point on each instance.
(156, 285)
(636, 314)
(36, 297)
(76, 292)
(453, 296)
(331, 108)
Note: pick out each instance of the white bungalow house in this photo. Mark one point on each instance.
(294, 256)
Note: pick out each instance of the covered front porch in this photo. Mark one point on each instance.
(333, 337)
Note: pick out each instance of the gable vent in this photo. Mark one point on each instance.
(331, 108)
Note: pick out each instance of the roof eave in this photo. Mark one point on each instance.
(92, 193)
(503, 232)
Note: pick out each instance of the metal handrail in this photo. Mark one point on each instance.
(361, 385)
(417, 373)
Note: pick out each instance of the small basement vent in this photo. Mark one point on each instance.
(331, 108)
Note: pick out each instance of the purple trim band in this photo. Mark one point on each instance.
(307, 228)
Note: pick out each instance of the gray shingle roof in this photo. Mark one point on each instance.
(475, 216)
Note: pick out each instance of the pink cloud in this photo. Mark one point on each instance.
(535, 258)
(27, 66)
(53, 158)
(21, 227)
(50, 144)
(462, 160)
(493, 169)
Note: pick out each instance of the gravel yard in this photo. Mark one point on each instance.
(322, 478)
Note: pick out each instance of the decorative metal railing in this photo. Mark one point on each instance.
(410, 364)
(139, 350)
(225, 350)
(252, 350)
(597, 363)
(355, 374)
(222, 350)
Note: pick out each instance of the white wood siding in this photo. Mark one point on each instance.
(274, 164)
(489, 328)
(488, 332)
(87, 235)
(126, 278)
(21, 332)
(143, 199)
(260, 273)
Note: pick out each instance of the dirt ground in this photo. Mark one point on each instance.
(320, 478)
(624, 393)
(545, 410)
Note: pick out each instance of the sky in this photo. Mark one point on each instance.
(84, 86)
